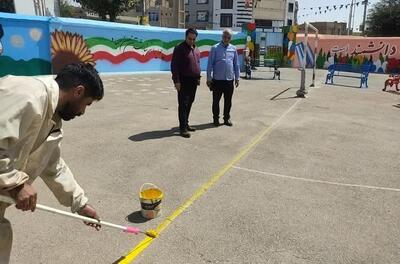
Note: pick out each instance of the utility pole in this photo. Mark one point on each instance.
(353, 19)
(285, 12)
(350, 18)
(365, 16)
(143, 7)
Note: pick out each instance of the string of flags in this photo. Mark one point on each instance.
(325, 9)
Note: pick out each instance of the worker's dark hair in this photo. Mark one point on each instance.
(74, 75)
(191, 31)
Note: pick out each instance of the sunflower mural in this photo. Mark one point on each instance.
(69, 48)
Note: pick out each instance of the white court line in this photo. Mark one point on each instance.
(318, 181)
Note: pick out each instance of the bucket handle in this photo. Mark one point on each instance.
(148, 184)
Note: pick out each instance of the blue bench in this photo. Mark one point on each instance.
(338, 70)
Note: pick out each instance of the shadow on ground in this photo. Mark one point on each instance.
(393, 92)
(275, 97)
(344, 85)
(262, 79)
(158, 134)
(136, 217)
(119, 260)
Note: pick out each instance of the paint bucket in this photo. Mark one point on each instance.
(150, 200)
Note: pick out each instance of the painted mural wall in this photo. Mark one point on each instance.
(110, 47)
(289, 45)
(24, 45)
(382, 53)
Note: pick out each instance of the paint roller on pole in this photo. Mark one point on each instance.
(126, 229)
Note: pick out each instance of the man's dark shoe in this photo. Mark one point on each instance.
(216, 122)
(228, 123)
(185, 134)
(191, 129)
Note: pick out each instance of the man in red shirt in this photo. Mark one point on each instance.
(185, 68)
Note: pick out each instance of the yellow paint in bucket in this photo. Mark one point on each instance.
(150, 200)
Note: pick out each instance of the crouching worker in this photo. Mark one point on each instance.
(31, 110)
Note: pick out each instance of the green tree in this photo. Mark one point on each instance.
(384, 19)
(65, 9)
(7, 6)
(320, 60)
(112, 8)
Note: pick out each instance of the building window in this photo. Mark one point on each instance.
(153, 16)
(291, 7)
(202, 16)
(202, 2)
(7, 6)
(289, 22)
(186, 2)
(226, 4)
(187, 16)
(263, 23)
(226, 20)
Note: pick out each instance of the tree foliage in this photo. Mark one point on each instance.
(384, 19)
(112, 8)
(7, 6)
(65, 9)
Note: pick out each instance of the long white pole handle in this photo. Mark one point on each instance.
(68, 214)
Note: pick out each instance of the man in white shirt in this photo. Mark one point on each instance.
(222, 71)
(31, 110)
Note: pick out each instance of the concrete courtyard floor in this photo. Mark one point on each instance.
(313, 180)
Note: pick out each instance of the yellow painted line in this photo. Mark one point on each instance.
(131, 256)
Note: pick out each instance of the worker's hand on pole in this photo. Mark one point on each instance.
(89, 211)
(25, 197)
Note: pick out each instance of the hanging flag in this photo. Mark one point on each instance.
(334, 7)
(341, 6)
